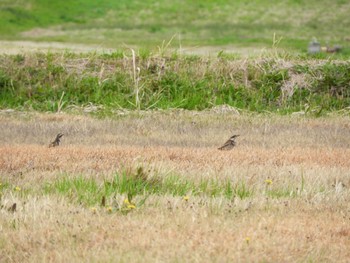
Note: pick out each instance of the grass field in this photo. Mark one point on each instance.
(152, 186)
(146, 24)
(138, 176)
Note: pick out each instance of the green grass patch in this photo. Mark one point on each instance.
(55, 82)
(90, 192)
(281, 193)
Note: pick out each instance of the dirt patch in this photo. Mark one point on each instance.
(17, 47)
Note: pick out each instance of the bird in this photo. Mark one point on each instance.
(12, 208)
(229, 144)
(57, 141)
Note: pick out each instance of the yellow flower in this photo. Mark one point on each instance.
(186, 198)
(94, 210)
(247, 239)
(126, 201)
(109, 209)
(131, 206)
(268, 181)
(17, 188)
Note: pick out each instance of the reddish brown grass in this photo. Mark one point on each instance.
(107, 159)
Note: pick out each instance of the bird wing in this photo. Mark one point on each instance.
(228, 145)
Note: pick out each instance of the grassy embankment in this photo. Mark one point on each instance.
(106, 83)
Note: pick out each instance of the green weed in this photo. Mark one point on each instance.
(281, 193)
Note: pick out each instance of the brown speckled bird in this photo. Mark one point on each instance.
(57, 141)
(229, 144)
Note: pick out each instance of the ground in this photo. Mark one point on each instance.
(152, 186)
(27, 47)
(281, 195)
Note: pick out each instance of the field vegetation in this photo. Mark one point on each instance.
(153, 186)
(138, 176)
(146, 24)
(107, 83)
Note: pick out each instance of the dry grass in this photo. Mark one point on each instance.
(308, 157)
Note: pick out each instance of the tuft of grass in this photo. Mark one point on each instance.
(242, 190)
(281, 193)
(77, 189)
